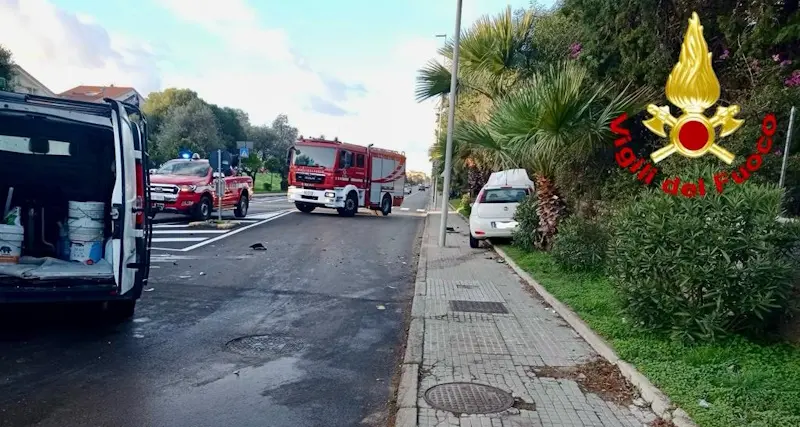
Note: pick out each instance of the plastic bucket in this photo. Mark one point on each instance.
(11, 237)
(85, 231)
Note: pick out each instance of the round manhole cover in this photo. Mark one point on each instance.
(265, 345)
(468, 398)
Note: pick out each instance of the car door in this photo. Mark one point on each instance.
(124, 202)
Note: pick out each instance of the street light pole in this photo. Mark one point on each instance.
(448, 156)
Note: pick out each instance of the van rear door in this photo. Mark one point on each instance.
(124, 202)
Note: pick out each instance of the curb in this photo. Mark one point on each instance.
(408, 389)
(659, 402)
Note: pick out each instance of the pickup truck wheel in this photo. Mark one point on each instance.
(350, 205)
(386, 205)
(242, 206)
(304, 207)
(203, 209)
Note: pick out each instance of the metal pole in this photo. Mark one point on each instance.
(220, 184)
(786, 149)
(448, 156)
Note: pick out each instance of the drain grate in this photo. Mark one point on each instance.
(478, 307)
(265, 345)
(468, 398)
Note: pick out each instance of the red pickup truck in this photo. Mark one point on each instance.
(189, 187)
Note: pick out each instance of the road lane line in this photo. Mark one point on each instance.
(178, 239)
(403, 209)
(420, 210)
(170, 225)
(184, 231)
(238, 230)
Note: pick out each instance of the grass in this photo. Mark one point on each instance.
(262, 178)
(459, 207)
(745, 383)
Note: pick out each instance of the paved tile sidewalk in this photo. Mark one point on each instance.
(499, 349)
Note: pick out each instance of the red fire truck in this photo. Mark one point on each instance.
(333, 174)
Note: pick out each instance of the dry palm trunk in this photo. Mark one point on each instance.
(550, 208)
(477, 178)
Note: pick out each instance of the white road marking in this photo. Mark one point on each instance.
(170, 225)
(420, 210)
(237, 230)
(265, 215)
(178, 239)
(404, 209)
(189, 231)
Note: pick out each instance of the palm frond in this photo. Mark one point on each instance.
(433, 80)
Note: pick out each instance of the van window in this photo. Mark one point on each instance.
(503, 195)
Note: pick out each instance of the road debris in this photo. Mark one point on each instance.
(258, 247)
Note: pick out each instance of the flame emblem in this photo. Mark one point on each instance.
(693, 87)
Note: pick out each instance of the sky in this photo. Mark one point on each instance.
(342, 68)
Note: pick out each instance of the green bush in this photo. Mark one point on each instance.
(580, 244)
(707, 266)
(266, 186)
(465, 207)
(527, 236)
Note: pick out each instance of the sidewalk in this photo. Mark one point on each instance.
(475, 322)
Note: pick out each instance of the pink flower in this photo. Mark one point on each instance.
(793, 80)
(786, 63)
(776, 57)
(725, 54)
(575, 50)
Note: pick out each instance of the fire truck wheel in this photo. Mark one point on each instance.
(386, 205)
(242, 206)
(350, 205)
(203, 209)
(304, 207)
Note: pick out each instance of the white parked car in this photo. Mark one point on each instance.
(407, 189)
(493, 210)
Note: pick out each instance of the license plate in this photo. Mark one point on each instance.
(504, 225)
(308, 193)
(156, 196)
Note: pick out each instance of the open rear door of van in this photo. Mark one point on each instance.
(124, 202)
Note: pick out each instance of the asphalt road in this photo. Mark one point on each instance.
(323, 306)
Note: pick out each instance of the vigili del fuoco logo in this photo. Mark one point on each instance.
(693, 87)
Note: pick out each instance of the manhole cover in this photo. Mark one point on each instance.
(468, 398)
(478, 307)
(265, 345)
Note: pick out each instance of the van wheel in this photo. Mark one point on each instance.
(242, 206)
(304, 207)
(203, 209)
(474, 243)
(386, 205)
(120, 311)
(350, 205)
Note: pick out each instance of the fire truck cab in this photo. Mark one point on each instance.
(341, 176)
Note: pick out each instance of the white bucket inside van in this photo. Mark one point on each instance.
(85, 231)
(11, 237)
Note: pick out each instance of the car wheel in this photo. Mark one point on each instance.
(203, 209)
(386, 205)
(242, 206)
(304, 207)
(474, 243)
(350, 205)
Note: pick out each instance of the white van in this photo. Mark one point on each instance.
(58, 159)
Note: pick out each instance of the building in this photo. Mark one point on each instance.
(24, 82)
(98, 93)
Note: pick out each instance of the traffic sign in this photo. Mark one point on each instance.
(244, 152)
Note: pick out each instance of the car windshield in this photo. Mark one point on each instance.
(307, 155)
(184, 168)
(504, 195)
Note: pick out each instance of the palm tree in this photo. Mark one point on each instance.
(553, 121)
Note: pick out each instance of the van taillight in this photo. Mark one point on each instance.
(139, 205)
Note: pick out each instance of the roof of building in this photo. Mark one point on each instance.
(96, 93)
(21, 71)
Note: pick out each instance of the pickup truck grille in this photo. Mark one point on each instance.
(309, 178)
(164, 188)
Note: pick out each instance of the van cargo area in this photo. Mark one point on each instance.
(51, 173)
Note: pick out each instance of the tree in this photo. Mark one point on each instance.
(6, 66)
(158, 105)
(251, 165)
(557, 119)
(192, 126)
(264, 140)
(233, 124)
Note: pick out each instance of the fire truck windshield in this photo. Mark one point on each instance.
(307, 155)
(184, 168)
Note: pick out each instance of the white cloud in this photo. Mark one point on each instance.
(64, 50)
